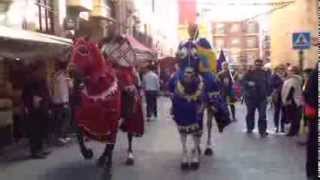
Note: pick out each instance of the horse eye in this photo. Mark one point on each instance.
(83, 51)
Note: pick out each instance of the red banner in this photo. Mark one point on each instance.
(187, 11)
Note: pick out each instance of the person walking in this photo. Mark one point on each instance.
(227, 91)
(60, 99)
(151, 86)
(277, 80)
(291, 96)
(36, 101)
(311, 104)
(257, 88)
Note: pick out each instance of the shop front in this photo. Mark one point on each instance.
(18, 50)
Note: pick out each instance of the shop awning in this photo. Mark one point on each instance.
(127, 50)
(15, 43)
(142, 52)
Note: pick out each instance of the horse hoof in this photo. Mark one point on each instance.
(130, 162)
(195, 165)
(184, 166)
(208, 152)
(108, 168)
(101, 161)
(87, 154)
(199, 151)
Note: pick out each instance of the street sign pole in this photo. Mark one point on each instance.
(301, 59)
(301, 41)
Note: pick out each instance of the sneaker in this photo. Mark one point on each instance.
(45, 152)
(61, 142)
(264, 134)
(249, 131)
(67, 139)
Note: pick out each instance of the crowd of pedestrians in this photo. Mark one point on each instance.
(49, 106)
(293, 96)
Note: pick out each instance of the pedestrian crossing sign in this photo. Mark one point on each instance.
(301, 40)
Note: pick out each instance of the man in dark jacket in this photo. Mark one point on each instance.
(257, 88)
(36, 104)
(311, 103)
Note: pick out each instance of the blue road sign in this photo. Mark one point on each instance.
(301, 40)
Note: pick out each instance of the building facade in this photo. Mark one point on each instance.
(240, 40)
(152, 20)
(33, 31)
(300, 16)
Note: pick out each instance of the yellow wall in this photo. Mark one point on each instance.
(297, 17)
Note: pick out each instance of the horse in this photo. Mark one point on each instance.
(123, 62)
(99, 111)
(192, 90)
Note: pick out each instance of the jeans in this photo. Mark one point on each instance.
(252, 105)
(279, 110)
(312, 153)
(151, 99)
(37, 129)
(62, 117)
(294, 114)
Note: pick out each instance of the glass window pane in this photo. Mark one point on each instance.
(252, 42)
(235, 28)
(251, 28)
(219, 43)
(220, 28)
(235, 42)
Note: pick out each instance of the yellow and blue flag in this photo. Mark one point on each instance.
(208, 60)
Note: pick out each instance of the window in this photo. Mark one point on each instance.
(252, 42)
(45, 15)
(235, 28)
(220, 28)
(219, 43)
(251, 56)
(252, 27)
(235, 42)
(235, 53)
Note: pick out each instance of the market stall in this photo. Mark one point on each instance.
(18, 49)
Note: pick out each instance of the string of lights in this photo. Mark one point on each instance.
(268, 12)
(281, 3)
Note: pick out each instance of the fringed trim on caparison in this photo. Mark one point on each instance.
(190, 129)
(101, 137)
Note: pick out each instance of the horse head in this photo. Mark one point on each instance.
(189, 62)
(89, 63)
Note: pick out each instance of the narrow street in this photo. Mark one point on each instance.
(237, 156)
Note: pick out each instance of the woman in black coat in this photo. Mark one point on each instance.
(35, 96)
(311, 104)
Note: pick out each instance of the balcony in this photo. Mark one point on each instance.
(100, 10)
(81, 5)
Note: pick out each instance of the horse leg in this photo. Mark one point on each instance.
(209, 151)
(106, 158)
(130, 158)
(195, 160)
(86, 152)
(184, 160)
